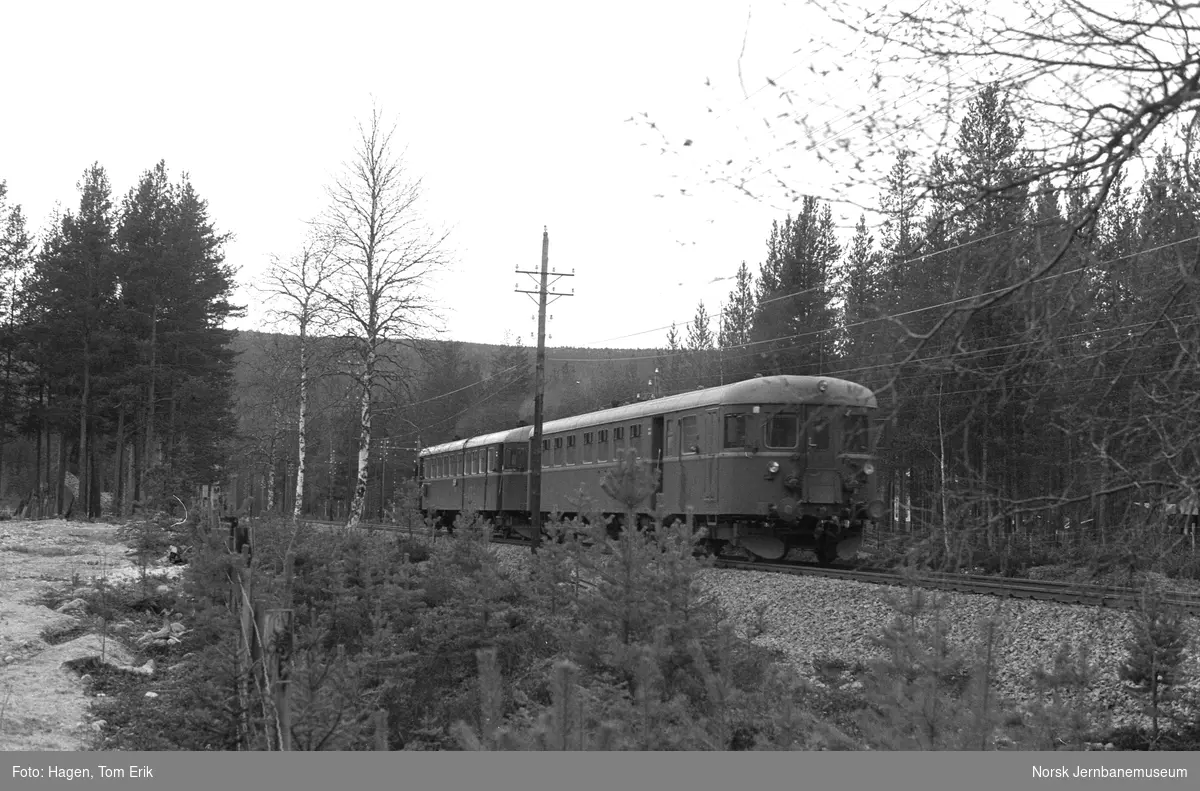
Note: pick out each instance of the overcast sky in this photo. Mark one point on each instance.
(514, 114)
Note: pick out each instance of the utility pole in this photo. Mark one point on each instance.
(539, 384)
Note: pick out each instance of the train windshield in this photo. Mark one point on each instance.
(855, 436)
(781, 431)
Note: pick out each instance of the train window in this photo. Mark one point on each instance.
(635, 438)
(671, 449)
(855, 436)
(735, 431)
(558, 451)
(474, 463)
(545, 444)
(781, 431)
(602, 445)
(689, 435)
(516, 458)
(493, 460)
(589, 447)
(571, 457)
(618, 434)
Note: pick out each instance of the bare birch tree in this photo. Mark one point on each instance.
(296, 287)
(383, 253)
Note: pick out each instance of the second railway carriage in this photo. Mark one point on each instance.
(488, 474)
(766, 465)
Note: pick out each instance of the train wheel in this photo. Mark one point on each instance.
(826, 551)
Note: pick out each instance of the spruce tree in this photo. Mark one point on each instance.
(794, 320)
(1157, 651)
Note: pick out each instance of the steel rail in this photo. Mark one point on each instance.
(1104, 596)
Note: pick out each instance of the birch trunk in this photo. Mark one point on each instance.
(301, 428)
(364, 441)
(271, 459)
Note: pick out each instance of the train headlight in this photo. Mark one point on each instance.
(869, 468)
(773, 467)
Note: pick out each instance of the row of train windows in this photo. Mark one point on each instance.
(779, 432)
(595, 446)
(472, 462)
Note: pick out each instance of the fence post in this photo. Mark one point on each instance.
(381, 736)
(275, 629)
(244, 597)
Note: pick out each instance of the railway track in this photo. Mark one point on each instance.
(1111, 597)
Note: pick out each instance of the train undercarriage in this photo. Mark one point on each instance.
(755, 538)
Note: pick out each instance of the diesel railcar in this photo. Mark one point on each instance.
(767, 465)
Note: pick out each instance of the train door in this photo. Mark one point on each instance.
(656, 455)
(822, 483)
(491, 485)
(818, 438)
(712, 446)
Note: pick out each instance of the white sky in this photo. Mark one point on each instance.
(514, 114)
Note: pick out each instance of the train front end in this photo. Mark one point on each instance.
(806, 477)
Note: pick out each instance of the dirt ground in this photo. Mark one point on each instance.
(44, 704)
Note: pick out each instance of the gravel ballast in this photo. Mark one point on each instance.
(807, 616)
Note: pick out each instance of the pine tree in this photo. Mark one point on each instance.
(1156, 654)
(16, 254)
(74, 288)
(794, 319)
(862, 293)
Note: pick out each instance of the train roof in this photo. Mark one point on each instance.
(445, 447)
(760, 390)
(519, 434)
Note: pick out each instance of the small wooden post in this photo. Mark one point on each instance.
(244, 602)
(275, 628)
(381, 735)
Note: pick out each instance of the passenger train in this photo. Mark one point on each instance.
(766, 465)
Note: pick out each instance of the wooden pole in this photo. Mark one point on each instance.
(539, 387)
(539, 395)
